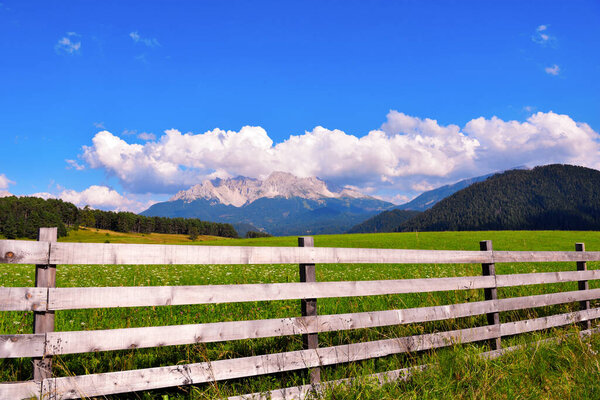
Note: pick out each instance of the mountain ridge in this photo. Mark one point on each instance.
(282, 204)
(242, 190)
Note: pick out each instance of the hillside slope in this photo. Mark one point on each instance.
(387, 221)
(549, 197)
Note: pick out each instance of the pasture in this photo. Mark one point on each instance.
(574, 357)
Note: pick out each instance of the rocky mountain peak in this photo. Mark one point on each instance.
(242, 190)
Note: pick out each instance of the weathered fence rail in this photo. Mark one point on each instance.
(44, 300)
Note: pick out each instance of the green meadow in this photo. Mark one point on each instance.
(458, 372)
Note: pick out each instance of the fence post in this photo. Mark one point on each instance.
(43, 321)
(309, 306)
(489, 269)
(583, 285)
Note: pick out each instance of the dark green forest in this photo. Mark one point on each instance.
(387, 221)
(552, 197)
(21, 217)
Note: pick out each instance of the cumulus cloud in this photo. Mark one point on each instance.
(553, 70)
(544, 138)
(149, 42)
(100, 197)
(407, 154)
(68, 44)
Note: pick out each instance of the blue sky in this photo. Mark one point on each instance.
(391, 97)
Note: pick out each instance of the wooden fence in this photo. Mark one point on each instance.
(45, 299)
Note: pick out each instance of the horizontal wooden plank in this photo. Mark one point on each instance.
(545, 277)
(519, 303)
(545, 256)
(30, 252)
(114, 254)
(161, 377)
(536, 324)
(20, 390)
(304, 391)
(16, 346)
(106, 297)
(23, 299)
(24, 252)
(129, 338)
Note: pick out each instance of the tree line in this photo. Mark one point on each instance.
(552, 197)
(21, 217)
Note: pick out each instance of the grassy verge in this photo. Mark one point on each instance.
(110, 275)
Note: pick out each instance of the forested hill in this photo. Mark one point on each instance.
(21, 217)
(387, 221)
(561, 197)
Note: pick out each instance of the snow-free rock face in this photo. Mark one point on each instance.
(240, 191)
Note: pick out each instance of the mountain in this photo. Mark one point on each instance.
(555, 196)
(428, 199)
(387, 221)
(282, 204)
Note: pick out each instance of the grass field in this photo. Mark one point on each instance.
(457, 380)
(92, 235)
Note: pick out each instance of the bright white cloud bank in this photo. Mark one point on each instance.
(405, 154)
(100, 197)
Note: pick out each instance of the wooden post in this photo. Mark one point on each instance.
(583, 285)
(491, 293)
(43, 321)
(309, 306)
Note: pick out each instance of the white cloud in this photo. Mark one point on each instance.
(407, 155)
(542, 37)
(544, 138)
(69, 44)
(72, 164)
(99, 125)
(149, 42)
(553, 70)
(146, 136)
(5, 182)
(100, 197)
(127, 132)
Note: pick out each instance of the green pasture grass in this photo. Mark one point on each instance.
(93, 235)
(161, 275)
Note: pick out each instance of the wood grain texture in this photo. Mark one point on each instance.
(308, 306)
(26, 345)
(583, 285)
(20, 390)
(129, 338)
(106, 297)
(24, 252)
(536, 324)
(304, 391)
(544, 256)
(181, 375)
(43, 320)
(23, 299)
(115, 254)
(545, 277)
(519, 303)
(489, 269)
